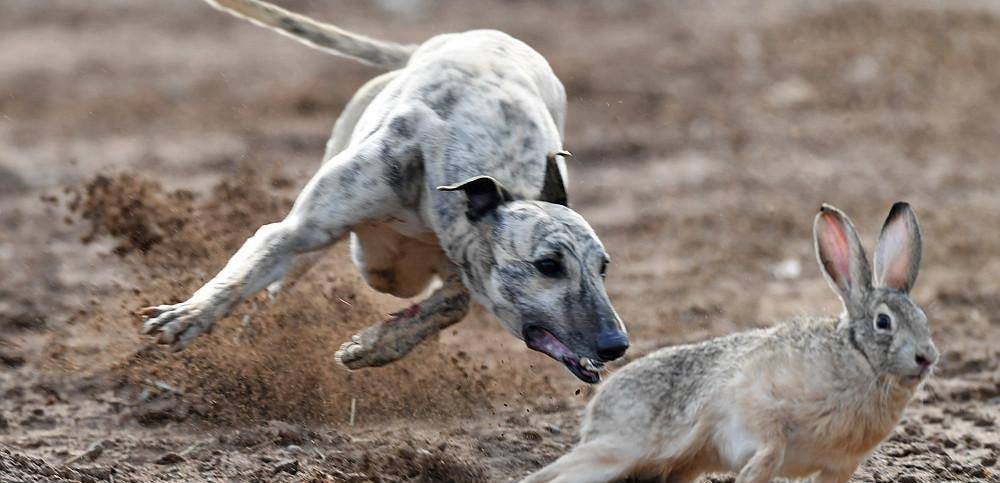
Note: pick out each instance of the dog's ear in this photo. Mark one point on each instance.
(484, 194)
(553, 188)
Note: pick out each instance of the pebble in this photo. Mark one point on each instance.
(288, 466)
(170, 459)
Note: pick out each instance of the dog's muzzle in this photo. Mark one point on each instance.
(584, 368)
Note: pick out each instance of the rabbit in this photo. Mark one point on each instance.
(812, 396)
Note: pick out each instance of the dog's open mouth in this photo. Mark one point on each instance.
(584, 368)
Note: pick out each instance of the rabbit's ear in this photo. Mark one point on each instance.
(841, 257)
(897, 255)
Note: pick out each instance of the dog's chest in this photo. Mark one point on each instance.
(410, 225)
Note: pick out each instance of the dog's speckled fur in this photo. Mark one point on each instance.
(811, 396)
(459, 106)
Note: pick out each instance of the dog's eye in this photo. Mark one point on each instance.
(604, 269)
(549, 267)
(883, 323)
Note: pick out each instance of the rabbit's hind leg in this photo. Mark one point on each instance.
(763, 465)
(595, 461)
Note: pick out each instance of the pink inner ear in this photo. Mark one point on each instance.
(836, 251)
(895, 253)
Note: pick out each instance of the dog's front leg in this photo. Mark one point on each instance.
(347, 190)
(391, 339)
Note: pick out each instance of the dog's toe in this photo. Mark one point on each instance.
(176, 325)
(349, 355)
(157, 317)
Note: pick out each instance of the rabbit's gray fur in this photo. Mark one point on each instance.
(810, 396)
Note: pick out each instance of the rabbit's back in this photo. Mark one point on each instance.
(666, 387)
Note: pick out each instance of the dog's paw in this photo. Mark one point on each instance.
(379, 344)
(179, 324)
(353, 355)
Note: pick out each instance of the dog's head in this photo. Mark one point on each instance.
(540, 268)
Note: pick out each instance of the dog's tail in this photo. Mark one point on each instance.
(322, 36)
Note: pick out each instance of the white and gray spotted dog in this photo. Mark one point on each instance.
(477, 112)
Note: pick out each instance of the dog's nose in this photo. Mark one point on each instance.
(611, 345)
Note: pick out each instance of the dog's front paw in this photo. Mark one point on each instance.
(179, 324)
(379, 344)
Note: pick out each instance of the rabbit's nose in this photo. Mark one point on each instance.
(926, 357)
(611, 345)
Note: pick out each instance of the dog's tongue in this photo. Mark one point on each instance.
(542, 341)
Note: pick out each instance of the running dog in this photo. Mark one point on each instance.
(449, 166)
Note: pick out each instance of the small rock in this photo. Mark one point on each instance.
(978, 473)
(97, 472)
(294, 449)
(862, 70)
(159, 412)
(170, 459)
(92, 452)
(28, 318)
(288, 466)
(283, 434)
(553, 429)
(246, 438)
(791, 93)
(789, 269)
(12, 359)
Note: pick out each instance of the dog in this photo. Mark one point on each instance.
(448, 167)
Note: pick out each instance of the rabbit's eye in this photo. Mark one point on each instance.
(883, 323)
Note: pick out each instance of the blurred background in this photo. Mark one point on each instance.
(142, 141)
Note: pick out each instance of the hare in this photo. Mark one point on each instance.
(812, 396)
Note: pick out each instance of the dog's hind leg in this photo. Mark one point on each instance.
(347, 190)
(391, 339)
(596, 461)
(343, 129)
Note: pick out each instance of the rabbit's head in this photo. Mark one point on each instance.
(883, 323)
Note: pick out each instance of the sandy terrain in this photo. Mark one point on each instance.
(142, 141)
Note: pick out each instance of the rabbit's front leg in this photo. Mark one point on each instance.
(837, 475)
(763, 465)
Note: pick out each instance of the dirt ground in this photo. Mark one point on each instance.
(142, 141)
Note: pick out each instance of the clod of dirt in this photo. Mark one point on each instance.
(169, 459)
(288, 466)
(11, 358)
(23, 318)
(134, 210)
(409, 463)
(158, 412)
(92, 452)
(285, 434)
